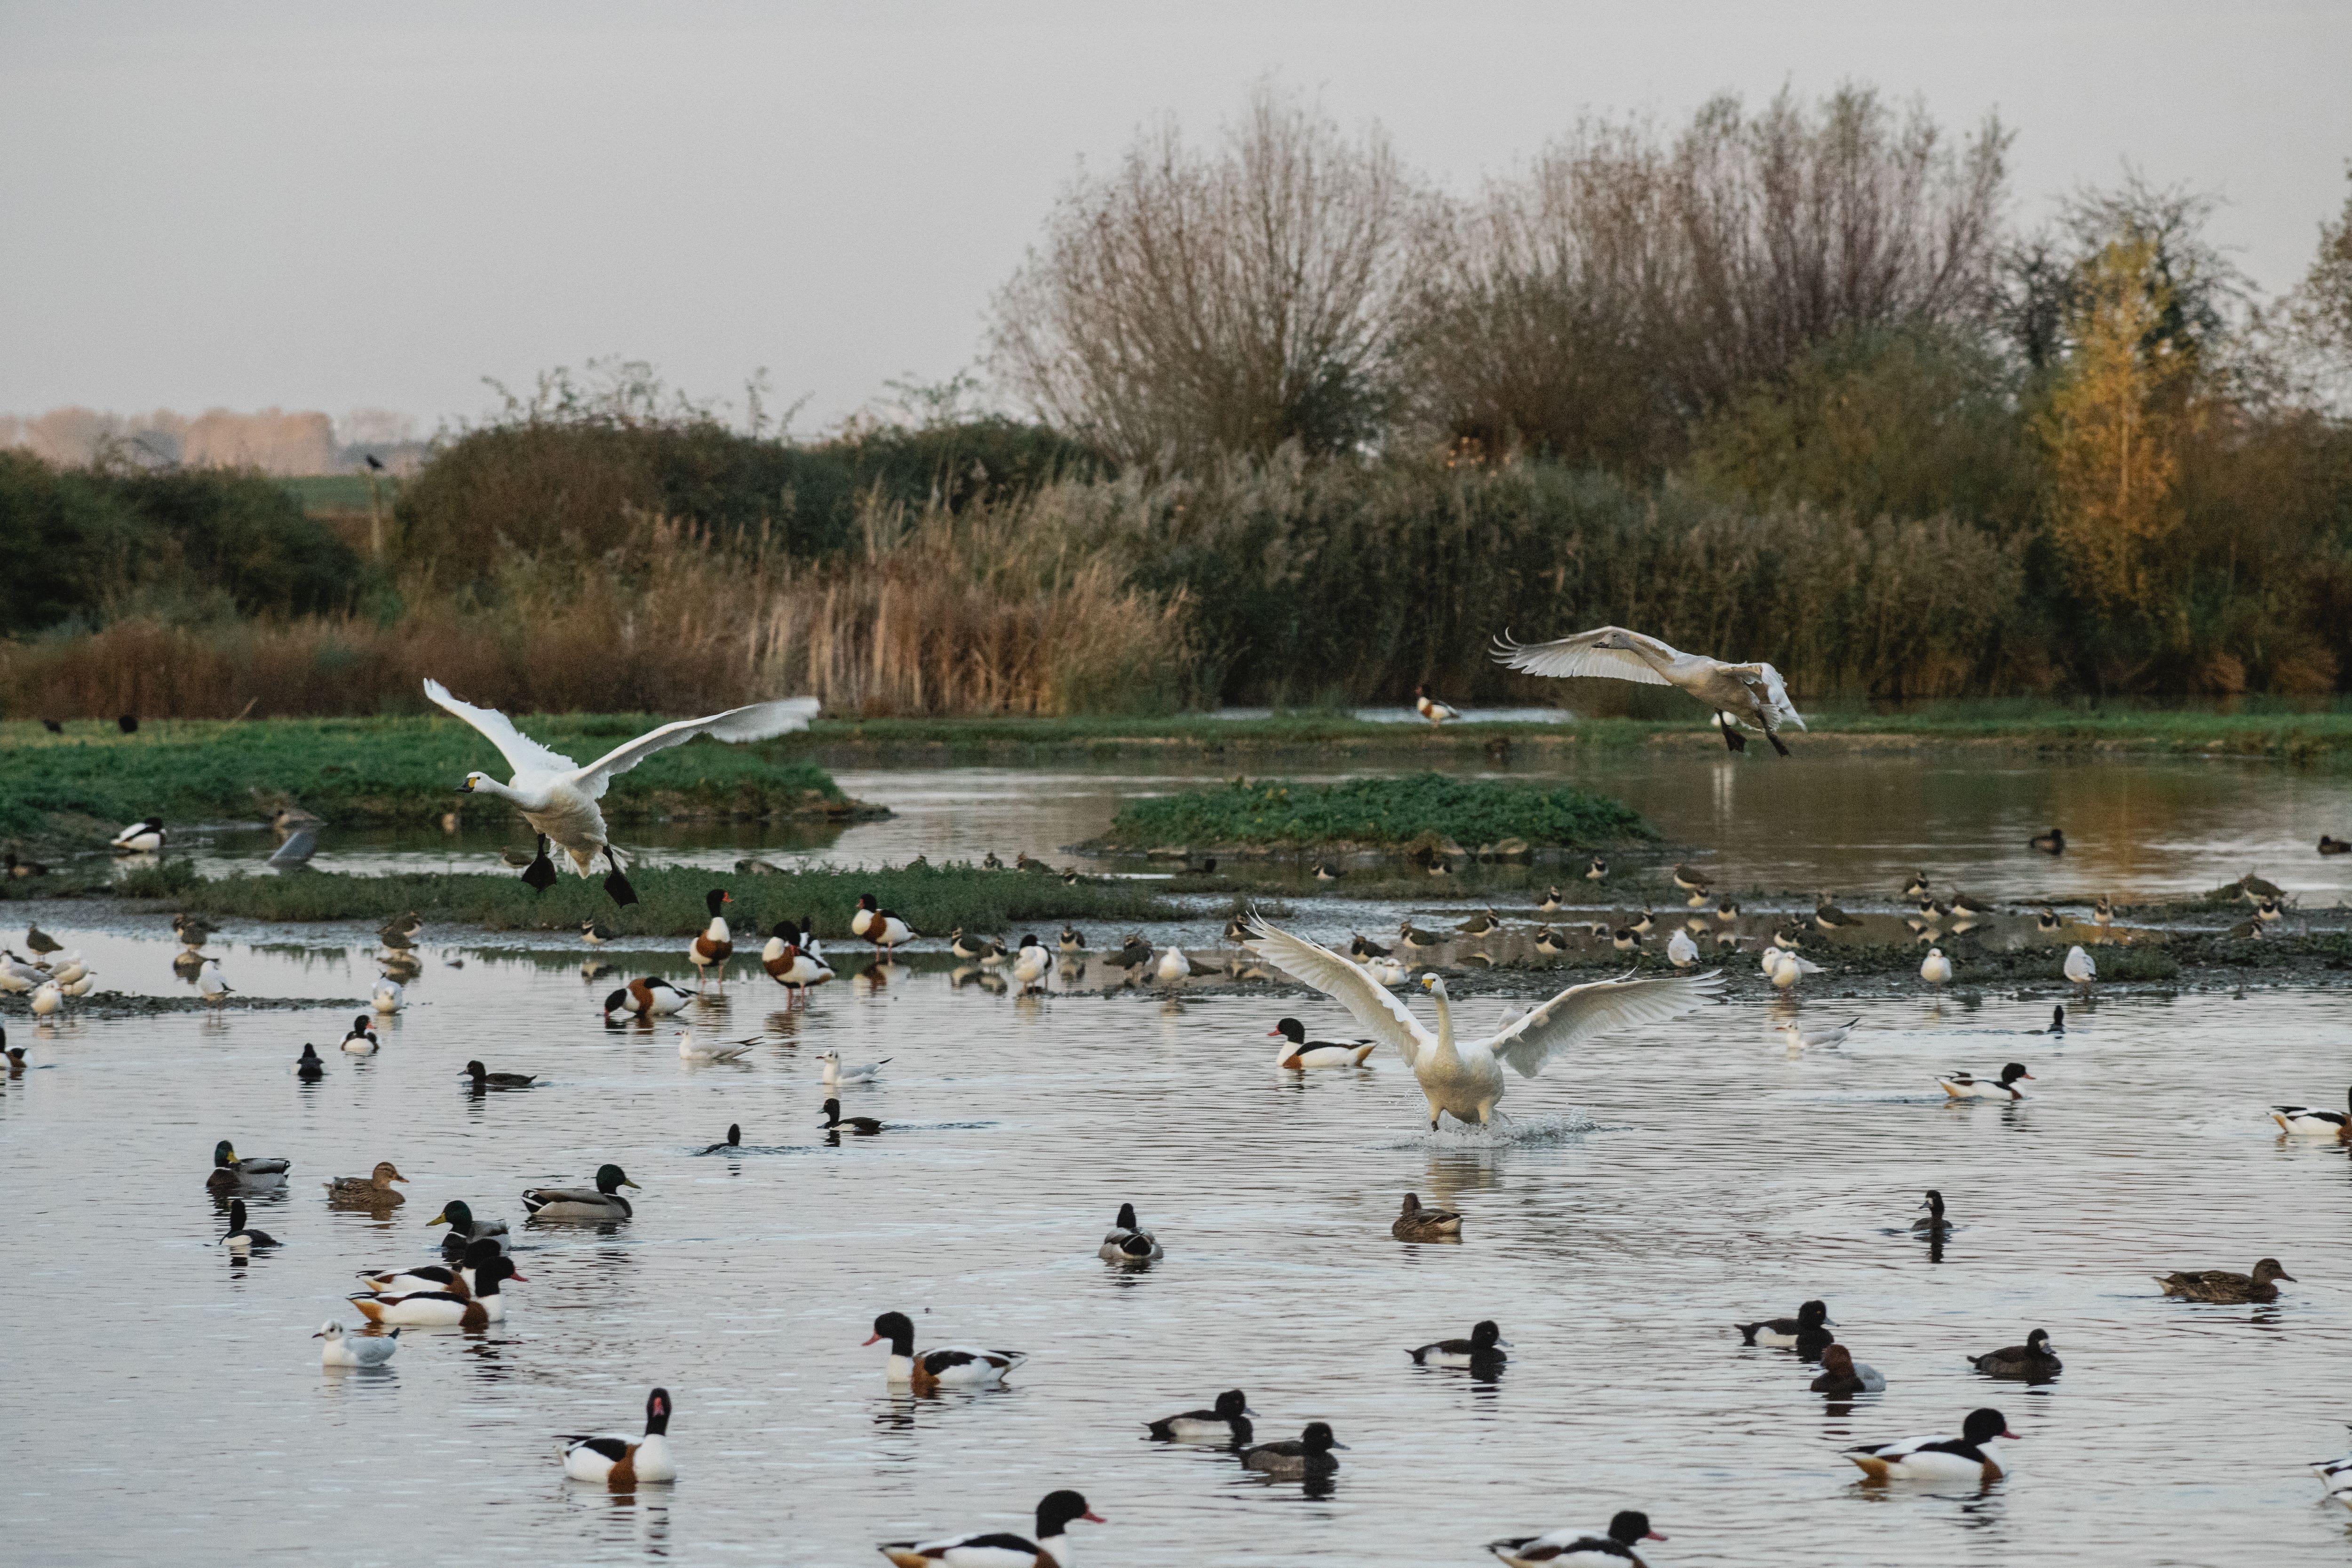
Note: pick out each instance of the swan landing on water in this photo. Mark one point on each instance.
(1750, 694)
(557, 796)
(1464, 1078)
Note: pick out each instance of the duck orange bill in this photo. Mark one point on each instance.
(872, 1338)
(1093, 1518)
(1653, 1535)
(520, 1278)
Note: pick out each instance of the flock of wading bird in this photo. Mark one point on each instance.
(1459, 1076)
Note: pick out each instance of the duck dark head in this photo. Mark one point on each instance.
(2268, 1270)
(456, 1215)
(713, 899)
(1984, 1425)
(610, 1179)
(867, 901)
(2012, 1072)
(658, 1413)
(1290, 1029)
(224, 1156)
(1318, 1438)
(896, 1328)
(1485, 1336)
(1813, 1315)
(1232, 1403)
(1060, 1510)
(1630, 1526)
(1126, 1220)
(1933, 1203)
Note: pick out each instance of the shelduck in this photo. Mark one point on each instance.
(457, 1276)
(1309, 1454)
(1960, 1458)
(647, 996)
(877, 925)
(557, 796)
(1573, 1548)
(1843, 1376)
(1228, 1422)
(1300, 1054)
(620, 1460)
(1484, 1347)
(1002, 1548)
(445, 1309)
(716, 944)
(241, 1238)
(601, 1202)
(360, 1038)
(144, 836)
(1033, 964)
(374, 1190)
(953, 1367)
(1431, 709)
(2305, 1121)
(349, 1350)
(2032, 1361)
(791, 966)
(2221, 1285)
(1968, 1086)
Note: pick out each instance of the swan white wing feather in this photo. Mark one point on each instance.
(523, 755)
(758, 721)
(1582, 1012)
(1345, 981)
(1577, 655)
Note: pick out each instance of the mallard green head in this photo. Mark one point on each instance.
(224, 1157)
(456, 1214)
(610, 1178)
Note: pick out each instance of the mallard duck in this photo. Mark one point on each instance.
(354, 1349)
(374, 1190)
(2221, 1285)
(955, 1366)
(714, 943)
(465, 1229)
(557, 796)
(1308, 1453)
(231, 1175)
(1843, 1376)
(482, 1078)
(1808, 1330)
(1960, 1458)
(1299, 1054)
(1001, 1548)
(1484, 1345)
(834, 1121)
(242, 1239)
(445, 1309)
(2030, 1362)
(603, 1201)
(621, 1461)
(1573, 1548)
(1229, 1422)
(1126, 1241)
(1414, 1222)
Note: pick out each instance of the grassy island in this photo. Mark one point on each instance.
(1383, 813)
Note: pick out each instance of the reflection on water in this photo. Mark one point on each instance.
(1855, 823)
(1663, 1186)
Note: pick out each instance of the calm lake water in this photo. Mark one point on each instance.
(1660, 1186)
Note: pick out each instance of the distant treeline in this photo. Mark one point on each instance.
(1779, 385)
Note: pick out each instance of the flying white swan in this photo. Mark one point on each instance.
(557, 796)
(1753, 694)
(1466, 1077)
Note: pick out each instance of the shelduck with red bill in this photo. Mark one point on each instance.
(716, 944)
(1003, 1548)
(620, 1460)
(1299, 1054)
(877, 925)
(950, 1366)
(1960, 1458)
(1573, 1548)
(647, 996)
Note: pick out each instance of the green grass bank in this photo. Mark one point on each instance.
(1373, 814)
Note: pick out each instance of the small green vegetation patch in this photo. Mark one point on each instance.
(1375, 813)
(934, 900)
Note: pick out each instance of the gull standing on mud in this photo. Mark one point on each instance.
(557, 796)
(1466, 1077)
(1751, 694)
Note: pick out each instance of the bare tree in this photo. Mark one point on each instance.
(1194, 302)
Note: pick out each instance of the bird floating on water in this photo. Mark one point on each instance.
(557, 796)
(1228, 1422)
(354, 1349)
(1573, 1548)
(1960, 1458)
(1968, 1086)
(1002, 1548)
(2051, 843)
(620, 1460)
(144, 836)
(375, 1191)
(601, 1202)
(953, 1367)
(2221, 1285)
(2030, 1362)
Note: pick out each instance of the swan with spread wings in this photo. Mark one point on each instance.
(1750, 694)
(1464, 1078)
(557, 796)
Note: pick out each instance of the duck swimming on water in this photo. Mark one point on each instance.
(1305, 1456)
(1960, 1458)
(1002, 1548)
(2221, 1285)
(1484, 1347)
(1414, 1222)
(1229, 1422)
(2032, 1361)
(604, 1201)
(1573, 1548)
(953, 1367)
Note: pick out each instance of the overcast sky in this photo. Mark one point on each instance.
(361, 203)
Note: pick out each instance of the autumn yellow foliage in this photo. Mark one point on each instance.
(2114, 426)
